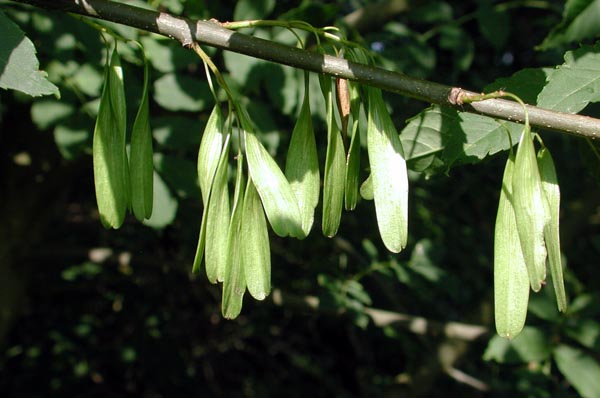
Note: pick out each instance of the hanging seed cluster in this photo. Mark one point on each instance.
(233, 243)
(121, 183)
(526, 235)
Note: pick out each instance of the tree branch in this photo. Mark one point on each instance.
(212, 34)
(382, 318)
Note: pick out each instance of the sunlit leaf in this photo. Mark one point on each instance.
(181, 93)
(531, 345)
(580, 21)
(19, 67)
(574, 84)
(580, 369)
(45, 113)
(253, 9)
(441, 137)
(164, 205)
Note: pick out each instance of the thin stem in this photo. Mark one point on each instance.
(302, 25)
(494, 95)
(208, 62)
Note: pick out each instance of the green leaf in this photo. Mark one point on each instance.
(441, 137)
(179, 173)
(432, 12)
(166, 55)
(181, 93)
(531, 345)
(574, 84)
(318, 13)
(334, 179)
(247, 70)
(425, 136)
(254, 245)
(46, 113)
(531, 210)
(586, 332)
(453, 38)
(141, 165)
(388, 171)
(511, 281)
(526, 83)
(580, 21)
(253, 9)
(302, 165)
(551, 231)
(543, 306)
(580, 369)
(234, 281)
(164, 205)
(88, 80)
(282, 84)
(18, 64)
(477, 137)
(174, 131)
(419, 57)
(275, 191)
(73, 138)
(492, 24)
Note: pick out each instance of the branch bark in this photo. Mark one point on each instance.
(212, 34)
